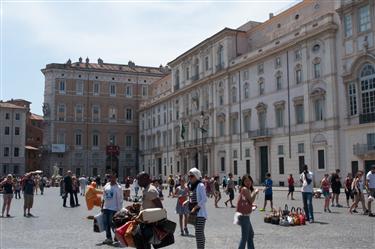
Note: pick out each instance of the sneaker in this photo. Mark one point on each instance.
(108, 242)
(182, 233)
(186, 231)
(355, 211)
(311, 221)
(262, 209)
(329, 210)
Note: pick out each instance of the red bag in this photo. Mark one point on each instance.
(302, 216)
(243, 205)
(120, 234)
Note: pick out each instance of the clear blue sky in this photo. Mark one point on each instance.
(149, 33)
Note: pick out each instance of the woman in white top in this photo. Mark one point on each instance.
(197, 205)
(357, 188)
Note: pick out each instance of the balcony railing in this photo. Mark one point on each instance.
(363, 149)
(195, 142)
(366, 118)
(260, 133)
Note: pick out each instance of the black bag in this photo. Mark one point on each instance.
(192, 219)
(167, 241)
(167, 225)
(286, 210)
(120, 218)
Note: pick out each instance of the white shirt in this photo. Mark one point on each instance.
(112, 196)
(307, 188)
(370, 177)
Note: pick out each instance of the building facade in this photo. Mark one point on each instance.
(270, 97)
(12, 138)
(91, 116)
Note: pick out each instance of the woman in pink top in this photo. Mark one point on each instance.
(325, 185)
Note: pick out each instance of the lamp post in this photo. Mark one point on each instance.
(203, 130)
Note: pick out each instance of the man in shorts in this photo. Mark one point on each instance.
(28, 192)
(230, 191)
(370, 187)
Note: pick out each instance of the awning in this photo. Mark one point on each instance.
(28, 147)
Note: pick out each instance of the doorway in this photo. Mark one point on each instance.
(263, 162)
(368, 165)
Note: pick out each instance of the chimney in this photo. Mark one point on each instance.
(271, 15)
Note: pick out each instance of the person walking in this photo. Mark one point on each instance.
(75, 190)
(8, 187)
(268, 194)
(357, 187)
(290, 187)
(348, 189)
(17, 188)
(244, 207)
(336, 186)
(171, 186)
(182, 194)
(217, 192)
(197, 202)
(230, 190)
(42, 184)
(325, 186)
(370, 187)
(112, 202)
(68, 189)
(307, 190)
(224, 182)
(28, 194)
(83, 183)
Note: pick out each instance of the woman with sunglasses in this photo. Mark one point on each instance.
(197, 205)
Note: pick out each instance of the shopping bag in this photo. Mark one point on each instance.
(120, 234)
(167, 241)
(99, 223)
(129, 236)
(152, 215)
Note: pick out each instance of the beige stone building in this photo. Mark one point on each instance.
(269, 97)
(89, 107)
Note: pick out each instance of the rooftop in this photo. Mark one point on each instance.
(36, 116)
(10, 106)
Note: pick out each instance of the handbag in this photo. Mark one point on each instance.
(243, 205)
(192, 219)
(295, 216)
(129, 236)
(302, 216)
(152, 215)
(286, 210)
(167, 241)
(167, 225)
(120, 234)
(99, 223)
(275, 219)
(267, 218)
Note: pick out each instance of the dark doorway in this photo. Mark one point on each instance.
(368, 165)
(301, 163)
(111, 165)
(354, 168)
(263, 162)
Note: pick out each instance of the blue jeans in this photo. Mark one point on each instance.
(108, 224)
(307, 205)
(247, 233)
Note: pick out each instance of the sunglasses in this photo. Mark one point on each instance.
(191, 176)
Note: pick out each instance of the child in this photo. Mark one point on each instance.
(291, 187)
(325, 185)
(267, 192)
(182, 194)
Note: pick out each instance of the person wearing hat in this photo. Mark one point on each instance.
(370, 187)
(197, 205)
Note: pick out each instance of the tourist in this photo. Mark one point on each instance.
(171, 186)
(17, 188)
(157, 184)
(82, 183)
(68, 189)
(75, 190)
(197, 205)
(28, 194)
(348, 189)
(247, 194)
(370, 187)
(217, 193)
(336, 186)
(230, 190)
(112, 202)
(136, 187)
(98, 182)
(224, 182)
(325, 186)
(307, 190)
(290, 187)
(182, 193)
(357, 187)
(268, 194)
(8, 187)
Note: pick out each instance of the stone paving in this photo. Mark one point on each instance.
(55, 227)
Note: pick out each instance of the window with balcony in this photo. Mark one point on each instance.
(352, 99)
(112, 90)
(96, 89)
(79, 87)
(62, 86)
(348, 26)
(364, 19)
(367, 84)
(262, 115)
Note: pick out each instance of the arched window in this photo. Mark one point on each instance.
(367, 81)
(246, 91)
(234, 95)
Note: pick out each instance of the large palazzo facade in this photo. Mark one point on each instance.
(269, 97)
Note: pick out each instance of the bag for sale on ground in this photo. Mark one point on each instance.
(131, 226)
(152, 215)
(167, 225)
(167, 241)
(99, 223)
(120, 234)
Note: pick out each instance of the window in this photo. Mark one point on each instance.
(262, 120)
(246, 122)
(6, 151)
(279, 117)
(112, 90)
(177, 80)
(235, 168)
(144, 91)
(96, 88)
(278, 82)
(79, 87)
(280, 149)
(300, 118)
(129, 91)
(16, 152)
(348, 26)
(301, 148)
(95, 140)
(16, 131)
(298, 76)
(129, 114)
(245, 75)
(60, 138)
(367, 80)
(62, 87)
(112, 139)
(6, 130)
(7, 115)
(298, 54)
(95, 113)
(319, 109)
(78, 139)
(128, 141)
(321, 162)
(61, 112)
(260, 68)
(187, 73)
(221, 128)
(234, 125)
(248, 167)
(281, 166)
(221, 98)
(16, 169)
(247, 152)
(354, 167)
(234, 153)
(220, 56)
(277, 62)
(17, 116)
(316, 48)
(352, 99)
(364, 18)
(234, 95)
(112, 114)
(317, 70)
(261, 87)
(206, 63)
(79, 113)
(246, 91)
(222, 164)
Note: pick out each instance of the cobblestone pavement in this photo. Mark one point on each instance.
(55, 227)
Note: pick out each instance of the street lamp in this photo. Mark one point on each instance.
(203, 130)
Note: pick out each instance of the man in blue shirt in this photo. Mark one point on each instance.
(267, 192)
